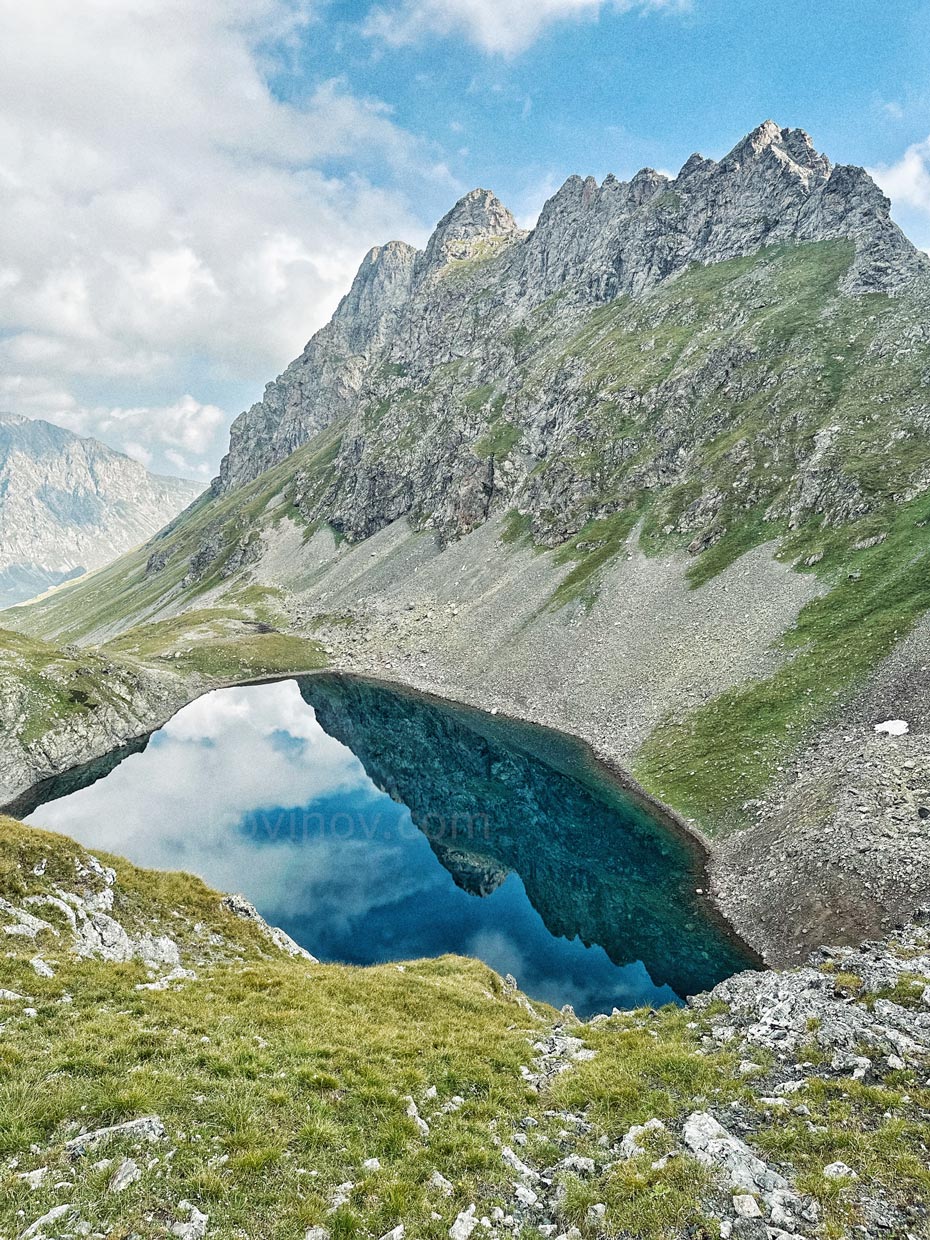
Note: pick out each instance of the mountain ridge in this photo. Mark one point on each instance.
(687, 524)
(593, 242)
(69, 503)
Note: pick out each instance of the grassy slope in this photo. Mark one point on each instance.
(277, 1078)
(47, 685)
(711, 761)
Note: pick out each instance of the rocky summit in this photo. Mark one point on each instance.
(458, 372)
(69, 504)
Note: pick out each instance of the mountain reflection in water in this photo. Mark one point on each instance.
(374, 824)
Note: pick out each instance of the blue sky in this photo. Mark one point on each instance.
(612, 91)
(186, 190)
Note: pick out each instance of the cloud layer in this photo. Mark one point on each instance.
(504, 26)
(907, 181)
(165, 218)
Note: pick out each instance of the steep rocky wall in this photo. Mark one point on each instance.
(468, 301)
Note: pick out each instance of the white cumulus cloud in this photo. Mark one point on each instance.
(168, 223)
(502, 26)
(907, 181)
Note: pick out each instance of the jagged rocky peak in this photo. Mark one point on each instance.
(479, 216)
(380, 288)
(592, 243)
(792, 148)
(774, 187)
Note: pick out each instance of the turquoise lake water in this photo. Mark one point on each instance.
(375, 825)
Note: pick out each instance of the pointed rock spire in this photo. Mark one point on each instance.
(792, 148)
(381, 286)
(477, 216)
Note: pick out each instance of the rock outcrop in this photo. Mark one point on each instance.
(422, 332)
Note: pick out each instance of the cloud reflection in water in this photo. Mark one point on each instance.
(245, 789)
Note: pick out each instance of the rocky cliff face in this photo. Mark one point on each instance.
(460, 381)
(69, 504)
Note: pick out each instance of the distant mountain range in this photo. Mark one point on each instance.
(69, 504)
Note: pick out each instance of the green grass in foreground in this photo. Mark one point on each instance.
(277, 1078)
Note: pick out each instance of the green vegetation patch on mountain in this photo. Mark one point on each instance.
(727, 752)
(236, 641)
(45, 685)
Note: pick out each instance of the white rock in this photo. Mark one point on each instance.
(177, 974)
(746, 1206)
(91, 866)
(341, 1195)
(148, 1128)
(631, 1145)
(159, 951)
(464, 1224)
(396, 1233)
(414, 1114)
(39, 1225)
(525, 1195)
(10, 996)
(514, 1161)
(126, 1173)
(316, 1233)
(578, 1164)
(196, 1226)
(893, 727)
(239, 906)
(372, 1164)
(839, 1170)
(40, 967)
(438, 1180)
(712, 1145)
(33, 1179)
(25, 925)
(100, 935)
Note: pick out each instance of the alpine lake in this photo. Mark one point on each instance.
(374, 824)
